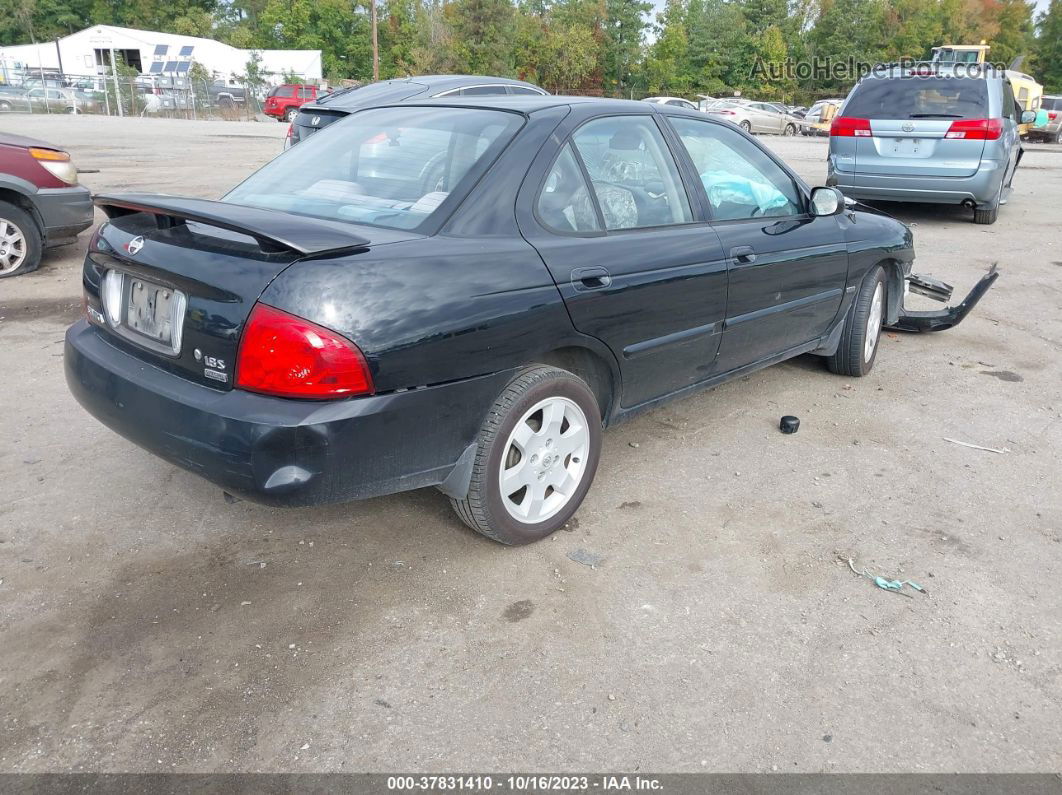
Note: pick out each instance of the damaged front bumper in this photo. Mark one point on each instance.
(941, 319)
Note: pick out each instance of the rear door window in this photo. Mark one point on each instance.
(919, 98)
(483, 91)
(632, 172)
(523, 91)
(565, 205)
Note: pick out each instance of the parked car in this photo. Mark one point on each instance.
(675, 102)
(345, 324)
(226, 94)
(283, 102)
(756, 117)
(60, 100)
(1051, 132)
(817, 120)
(12, 99)
(939, 138)
(337, 105)
(41, 203)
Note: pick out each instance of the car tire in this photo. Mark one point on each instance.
(858, 348)
(20, 241)
(790, 129)
(290, 115)
(5, 106)
(746, 126)
(988, 215)
(1058, 136)
(545, 429)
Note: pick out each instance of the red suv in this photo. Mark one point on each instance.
(41, 204)
(282, 102)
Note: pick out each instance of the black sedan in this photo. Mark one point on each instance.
(463, 293)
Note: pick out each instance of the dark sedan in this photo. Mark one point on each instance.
(463, 293)
(340, 104)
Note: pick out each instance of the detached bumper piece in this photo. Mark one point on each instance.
(941, 319)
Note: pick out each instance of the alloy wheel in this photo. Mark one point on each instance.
(544, 460)
(877, 307)
(12, 246)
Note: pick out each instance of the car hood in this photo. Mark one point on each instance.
(8, 139)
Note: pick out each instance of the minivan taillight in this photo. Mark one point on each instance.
(286, 356)
(975, 129)
(849, 126)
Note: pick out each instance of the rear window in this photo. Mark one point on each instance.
(1052, 103)
(389, 167)
(919, 98)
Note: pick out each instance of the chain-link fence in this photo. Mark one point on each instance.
(143, 95)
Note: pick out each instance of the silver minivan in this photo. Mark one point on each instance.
(942, 135)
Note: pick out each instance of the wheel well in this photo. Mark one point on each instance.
(590, 367)
(893, 288)
(23, 203)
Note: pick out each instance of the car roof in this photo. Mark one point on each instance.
(400, 88)
(529, 104)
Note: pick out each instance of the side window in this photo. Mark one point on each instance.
(482, 91)
(740, 179)
(524, 91)
(1009, 105)
(564, 203)
(632, 173)
(306, 92)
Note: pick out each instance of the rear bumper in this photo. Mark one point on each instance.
(277, 451)
(64, 211)
(980, 188)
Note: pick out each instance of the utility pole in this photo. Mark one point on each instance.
(375, 45)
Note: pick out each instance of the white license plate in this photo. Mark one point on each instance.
(151, 311)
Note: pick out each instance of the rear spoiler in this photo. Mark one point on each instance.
(274, 230)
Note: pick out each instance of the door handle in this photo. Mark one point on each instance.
(746, 255)
(591, 279)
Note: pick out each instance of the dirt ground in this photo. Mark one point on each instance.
(148, 624)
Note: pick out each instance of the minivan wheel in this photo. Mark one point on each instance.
(536, 457)
(1058, 136)
(20, 242)
(988, 215)
(858, 349)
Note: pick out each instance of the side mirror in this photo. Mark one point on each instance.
(826, 201)
(1028, 116)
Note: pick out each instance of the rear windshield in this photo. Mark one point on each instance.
(919, 98)
(376, 93)
(389, 167)
(1052, 103)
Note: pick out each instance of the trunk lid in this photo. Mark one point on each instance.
(910, 117)
(187, 273)
(917, 147)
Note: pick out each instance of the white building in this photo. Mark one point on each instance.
(88, 52)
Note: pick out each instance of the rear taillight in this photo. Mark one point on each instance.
(1052, 115)
(849, 126)
(975, 129)
(289, 139)
(286, 356)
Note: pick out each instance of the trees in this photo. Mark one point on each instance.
(1048, 47)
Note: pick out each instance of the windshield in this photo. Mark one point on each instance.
(920, 98)
(389, 167)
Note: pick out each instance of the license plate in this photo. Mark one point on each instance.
(150, 310)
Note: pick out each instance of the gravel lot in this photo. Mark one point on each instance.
(147, 624)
